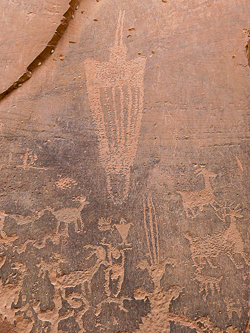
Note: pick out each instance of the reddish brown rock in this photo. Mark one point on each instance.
(27, 29)
(6, 327)
(124, 172)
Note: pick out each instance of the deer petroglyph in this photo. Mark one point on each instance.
(198, 199)
(69, 214)
(115, 92)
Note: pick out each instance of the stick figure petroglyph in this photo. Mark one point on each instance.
(116, 260)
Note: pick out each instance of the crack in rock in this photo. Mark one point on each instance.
(47, 51)
(248, 48)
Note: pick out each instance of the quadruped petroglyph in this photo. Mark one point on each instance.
(206, 251)
(229, 242)
(115, 91)
(159, 318)
(73, 294)
(198, 199)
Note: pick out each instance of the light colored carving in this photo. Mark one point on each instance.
(123, 229)
(156, 267)
(68, 215)
(198, 199)
(115, 270)
(247, 329)
(87, 274)
(29, 159)
(228, 242)
(60, 282)
(64, 183)
(5, 240)
(240, 164)
(115, 92)
(159, 318)
(9, 292)
(232, 306)
(2, 260)
(1, 127)
(111, 258)
(52, 316)
(104, 223)
(208, 283)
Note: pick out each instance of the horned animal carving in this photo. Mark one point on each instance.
(228, 242)
(198, 199)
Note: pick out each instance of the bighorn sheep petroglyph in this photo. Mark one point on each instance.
(228, 242)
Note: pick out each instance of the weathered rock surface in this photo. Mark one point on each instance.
(125, 168)
(26, 29)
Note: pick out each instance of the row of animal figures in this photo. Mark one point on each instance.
(204, 250)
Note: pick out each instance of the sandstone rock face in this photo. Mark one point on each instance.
(124, 201)
(26, 28)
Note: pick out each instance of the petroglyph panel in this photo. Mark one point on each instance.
(124, 188)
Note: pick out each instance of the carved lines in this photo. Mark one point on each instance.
(198, 199)
(153, 227)
(115, 90)
(227, 242)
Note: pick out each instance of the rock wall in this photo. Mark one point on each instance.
(124, 188)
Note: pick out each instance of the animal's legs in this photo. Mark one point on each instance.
(197, 262)
(119, 286)
(106, 284)
(234, 262)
